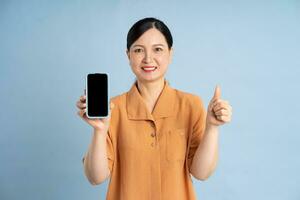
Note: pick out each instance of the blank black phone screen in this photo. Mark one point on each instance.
(97, 95)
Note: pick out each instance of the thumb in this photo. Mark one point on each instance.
(217, 94)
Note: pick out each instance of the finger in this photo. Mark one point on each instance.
(219, 121)
(217, 94)
(81, 105)
(214, 106)
(221, 105)
(222, 108)
(81, 112)
(222, 112)
(82, 98)
(212, 103)
(224, 118)
(217, 101)
(221, 118)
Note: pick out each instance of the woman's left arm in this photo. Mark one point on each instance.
(205, 159)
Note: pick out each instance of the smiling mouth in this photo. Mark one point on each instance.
(149, 68)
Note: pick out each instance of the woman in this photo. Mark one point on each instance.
(156, 137)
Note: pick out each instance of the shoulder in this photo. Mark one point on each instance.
(189, 99)
(192, 105)
(117, 98)
(119, 101)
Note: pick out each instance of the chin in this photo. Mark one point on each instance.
(150, 79)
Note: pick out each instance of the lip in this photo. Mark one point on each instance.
(148, 66)
(148, 69)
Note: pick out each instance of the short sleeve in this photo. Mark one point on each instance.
(109, 151)
(198, 122)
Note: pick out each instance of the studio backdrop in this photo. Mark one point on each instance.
(250, 48)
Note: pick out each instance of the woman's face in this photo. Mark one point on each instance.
(149, 56)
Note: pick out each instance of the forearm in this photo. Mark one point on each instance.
(206, 155)
(96, 163)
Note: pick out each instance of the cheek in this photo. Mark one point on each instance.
(163, 60)
(135, 61)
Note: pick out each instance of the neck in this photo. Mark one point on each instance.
(150, 91)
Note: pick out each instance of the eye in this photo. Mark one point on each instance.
(138, 50)
(158, 49)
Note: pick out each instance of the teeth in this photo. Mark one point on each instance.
(149, 69)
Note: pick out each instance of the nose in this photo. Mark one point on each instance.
(147, 58)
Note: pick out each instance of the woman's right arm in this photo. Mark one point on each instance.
(95, 161)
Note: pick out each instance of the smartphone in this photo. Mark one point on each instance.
(97, 95)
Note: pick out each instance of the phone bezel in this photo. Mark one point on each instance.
(108, 96)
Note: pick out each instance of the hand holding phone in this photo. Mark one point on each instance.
(97, 123)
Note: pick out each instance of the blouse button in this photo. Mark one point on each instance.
(152, 134)
(152, 124)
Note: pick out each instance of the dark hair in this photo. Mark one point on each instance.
(145, 24)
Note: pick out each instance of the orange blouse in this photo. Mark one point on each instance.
(150, 154)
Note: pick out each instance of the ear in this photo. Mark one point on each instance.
(171, 54)
(128, 55)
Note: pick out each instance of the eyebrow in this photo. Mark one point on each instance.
(143, 46)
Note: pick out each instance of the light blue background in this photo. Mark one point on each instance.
(251, 48)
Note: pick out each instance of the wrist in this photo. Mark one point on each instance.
(210, 127)
(100, 133)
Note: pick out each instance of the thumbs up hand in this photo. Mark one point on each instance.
(219, 111)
